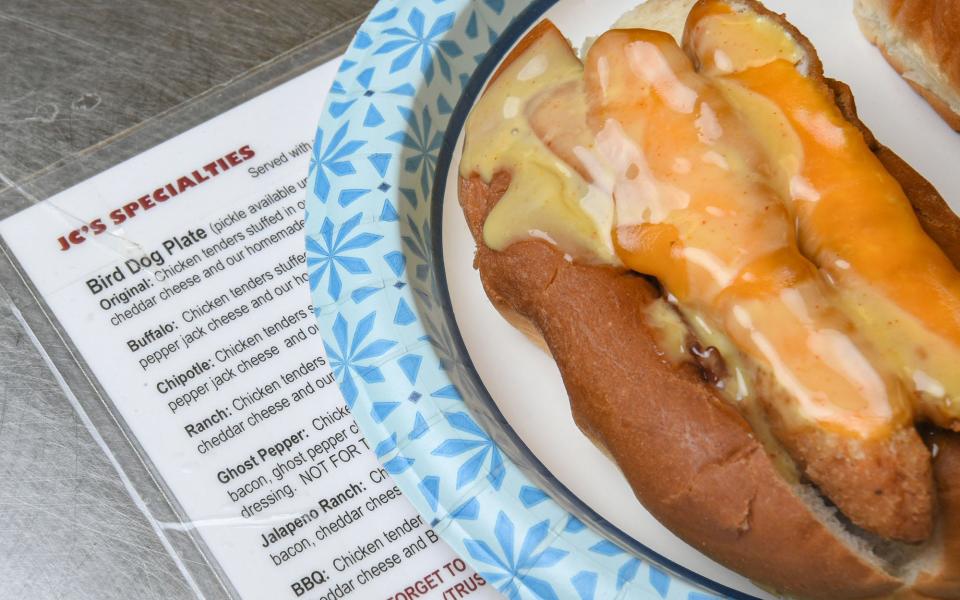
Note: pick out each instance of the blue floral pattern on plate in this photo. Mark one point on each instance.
(380, 300)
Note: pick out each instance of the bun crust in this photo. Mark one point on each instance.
(693, 461)
(919, 39)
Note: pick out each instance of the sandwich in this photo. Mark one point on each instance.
(919, 39)
(754, 305)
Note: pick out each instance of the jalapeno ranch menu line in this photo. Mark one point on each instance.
(180, 276)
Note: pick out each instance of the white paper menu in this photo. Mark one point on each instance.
(180, 276)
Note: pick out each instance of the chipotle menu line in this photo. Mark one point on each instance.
(180, 276)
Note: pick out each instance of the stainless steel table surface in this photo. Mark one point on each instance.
(75, 75)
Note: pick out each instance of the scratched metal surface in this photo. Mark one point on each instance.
(83, 85)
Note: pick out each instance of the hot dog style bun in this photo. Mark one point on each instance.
(919, 39)
(673, 216)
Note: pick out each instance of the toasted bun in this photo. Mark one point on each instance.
(921, 40)
(694, 462)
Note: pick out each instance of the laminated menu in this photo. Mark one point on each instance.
(180, 277)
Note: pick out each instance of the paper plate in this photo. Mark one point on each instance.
(469, 418)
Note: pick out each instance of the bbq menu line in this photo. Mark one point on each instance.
(180, 276)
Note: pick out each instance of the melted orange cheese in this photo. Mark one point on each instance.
(717, 236)
(853, 218)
